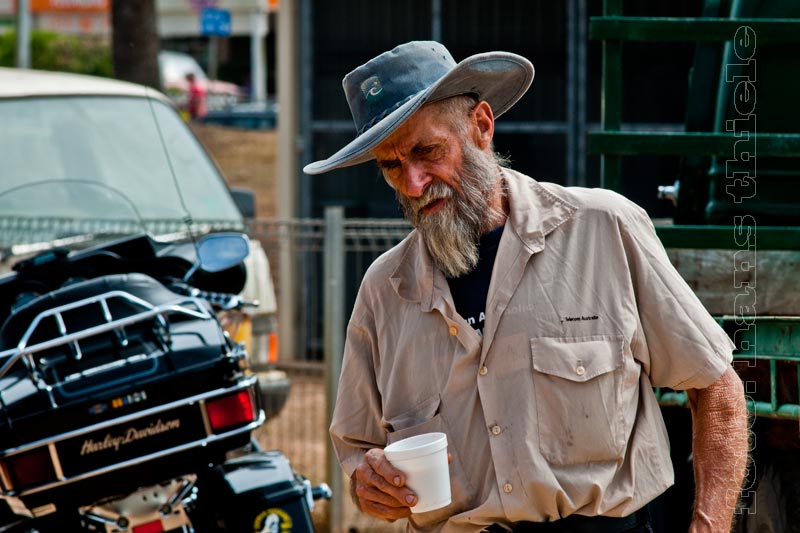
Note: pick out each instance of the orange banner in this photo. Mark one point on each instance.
(83, 6)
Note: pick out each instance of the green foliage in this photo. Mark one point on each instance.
(81, 54)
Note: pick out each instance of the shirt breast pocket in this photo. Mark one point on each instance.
(577, 384)
(405, 424)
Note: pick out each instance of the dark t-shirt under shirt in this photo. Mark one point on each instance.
(471, 289)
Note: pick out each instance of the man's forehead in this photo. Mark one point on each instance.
(420, 128)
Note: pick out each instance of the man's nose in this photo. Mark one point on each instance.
(416, 180)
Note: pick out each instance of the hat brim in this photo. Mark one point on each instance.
(499, 78)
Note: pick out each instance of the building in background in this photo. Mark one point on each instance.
(64, 16)
(245, 56)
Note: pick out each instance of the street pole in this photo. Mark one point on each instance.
(288, 173)
(23, 34)
(259, 27)
(334, 325)
(213, 56)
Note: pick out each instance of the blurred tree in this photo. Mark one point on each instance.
(135, 41)
(66, 53)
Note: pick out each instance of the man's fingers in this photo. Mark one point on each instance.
(381, 465)
(375, 489)
(379, 489)
(384, 512)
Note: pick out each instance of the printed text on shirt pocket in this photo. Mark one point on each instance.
(577, 388)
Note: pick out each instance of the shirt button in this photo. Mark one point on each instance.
(507, 488)
(580, 371)
(453, 330)
(496, 430)
(483, 371)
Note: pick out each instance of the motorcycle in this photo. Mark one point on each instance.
(124, 405)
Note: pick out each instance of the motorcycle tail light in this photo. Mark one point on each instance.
(150, 527)
(229, 411)
(30, 468)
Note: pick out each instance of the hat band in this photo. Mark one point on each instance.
(386, 112)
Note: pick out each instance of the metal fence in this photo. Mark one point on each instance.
(295, 250)
(317, 266)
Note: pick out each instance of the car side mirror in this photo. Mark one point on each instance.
(219, 251)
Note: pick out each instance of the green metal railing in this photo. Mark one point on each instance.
(611, 143)
(698, 29)
(724, 237)
(774, 363)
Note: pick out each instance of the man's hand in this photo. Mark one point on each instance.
(379, 489)
(720, 446)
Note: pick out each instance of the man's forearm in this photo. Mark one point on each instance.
(719, 445)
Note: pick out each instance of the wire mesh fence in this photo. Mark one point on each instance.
(302, 240)
(295, 250)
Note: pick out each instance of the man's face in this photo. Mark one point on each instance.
(444, 182)
(421, 151)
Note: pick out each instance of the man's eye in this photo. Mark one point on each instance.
(429, 152)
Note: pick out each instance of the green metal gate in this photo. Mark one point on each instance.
(770, 360)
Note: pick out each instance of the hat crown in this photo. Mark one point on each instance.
(383, 84)
(389, 89)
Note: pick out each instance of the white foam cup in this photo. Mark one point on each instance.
(423, 460)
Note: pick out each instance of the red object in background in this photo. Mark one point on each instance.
(196, 104)
(152, 527)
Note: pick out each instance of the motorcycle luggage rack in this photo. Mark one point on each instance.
(150, 311)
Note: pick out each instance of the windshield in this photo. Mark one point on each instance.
(96, 159)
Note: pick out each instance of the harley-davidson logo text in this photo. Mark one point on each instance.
(130, 435)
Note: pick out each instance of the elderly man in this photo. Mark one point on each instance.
(527, 321)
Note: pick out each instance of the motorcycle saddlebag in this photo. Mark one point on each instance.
(261, 493)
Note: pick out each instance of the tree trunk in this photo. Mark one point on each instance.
(135, 41)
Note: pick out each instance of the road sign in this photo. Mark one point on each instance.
(215, 21)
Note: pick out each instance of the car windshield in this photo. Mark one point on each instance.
(92, 159)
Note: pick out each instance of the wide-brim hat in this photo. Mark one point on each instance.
(384, 92)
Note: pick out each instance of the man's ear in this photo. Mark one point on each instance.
(483, 124)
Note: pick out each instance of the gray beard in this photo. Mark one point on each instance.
(452, 233)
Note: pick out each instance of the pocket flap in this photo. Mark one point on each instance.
(577, 358)
(422, 411)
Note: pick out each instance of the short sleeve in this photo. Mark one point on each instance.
(680, 345)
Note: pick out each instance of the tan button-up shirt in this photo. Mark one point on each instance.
(551, 412)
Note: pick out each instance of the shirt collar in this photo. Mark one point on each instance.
(534, 212)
